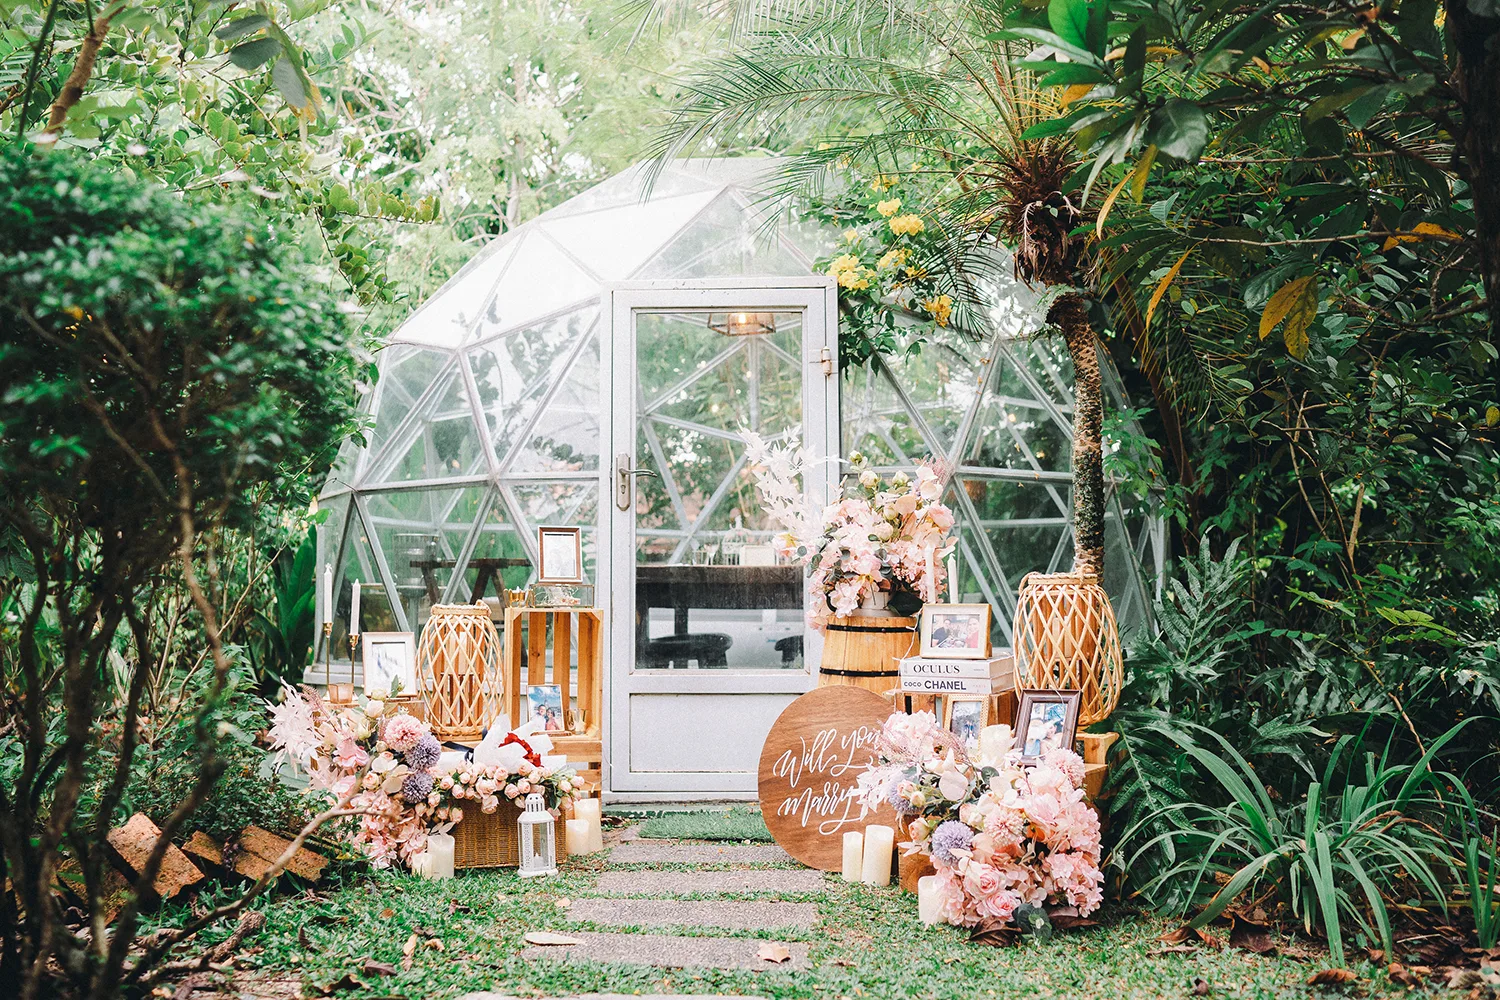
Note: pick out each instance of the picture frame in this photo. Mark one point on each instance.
(559, 554)
(544, 705)
(389, 655)
(957, 631)
(966, 717)
(1045, 719)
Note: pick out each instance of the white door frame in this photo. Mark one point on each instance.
(815, 297)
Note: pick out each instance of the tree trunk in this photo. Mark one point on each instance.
(1070, 314)
(1476, 80)
(78, 79)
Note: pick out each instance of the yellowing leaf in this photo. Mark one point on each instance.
(1281, 303)
(1141, 172)
(774, 951)
(1076, 91)
(1161, 286)
(1422, 231)
(1492, 416)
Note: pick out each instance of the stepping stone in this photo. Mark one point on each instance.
(674, 883)
(665, 852)
(730, 915)
(670, 952)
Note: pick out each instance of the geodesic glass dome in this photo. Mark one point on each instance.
(486, 415)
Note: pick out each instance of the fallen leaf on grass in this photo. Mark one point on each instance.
(1464, 979)
(407, 951)
(1250, 932)
(454, 906)
(997, 933)
(774, 951)
(387, 913)
(1068, 922)
(374, 968)
(564, 902)
(348, 981)
(846, 963)
(303, 940)
(1191, 936)
(1404, 975)
(433, 943)
(1332, 977)
(548, 939)
(1173, 949)
(1200, 986)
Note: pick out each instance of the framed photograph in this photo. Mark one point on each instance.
(961, 631)
(561, 552)
(1045, 720)
(966, 717)
(544, 705)
(390, 657)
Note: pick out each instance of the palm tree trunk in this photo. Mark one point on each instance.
(1070, 314)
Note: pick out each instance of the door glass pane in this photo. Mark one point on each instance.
(710, 593)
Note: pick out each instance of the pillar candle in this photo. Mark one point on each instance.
(953, 579)
(854, 856)
(928, 903)
(579, 835)
(354, 611)
(588, 811)
(440, 850)
(421, 865)
(879, 844)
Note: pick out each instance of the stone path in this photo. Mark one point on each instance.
(633, 906)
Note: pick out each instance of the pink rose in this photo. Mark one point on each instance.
(511, 790)
(489, 804)
(485, 786)
(456, 814)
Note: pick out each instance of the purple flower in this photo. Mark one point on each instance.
(415, 787)
(425, 754)
(897, 801)
(949, 837)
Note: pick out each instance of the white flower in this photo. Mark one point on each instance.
(292, 730)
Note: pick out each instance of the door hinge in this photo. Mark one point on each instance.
(825, 358)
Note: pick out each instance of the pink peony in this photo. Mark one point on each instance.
(402, 732)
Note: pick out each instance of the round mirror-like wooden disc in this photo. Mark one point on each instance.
(809, 772)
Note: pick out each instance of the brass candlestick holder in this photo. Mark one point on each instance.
(327, 654)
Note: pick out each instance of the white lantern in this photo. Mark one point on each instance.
(538, 837)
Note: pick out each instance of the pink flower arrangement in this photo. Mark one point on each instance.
(999, 833)
(880, 537)
(388, 770)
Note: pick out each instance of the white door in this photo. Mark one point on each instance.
(708, 640)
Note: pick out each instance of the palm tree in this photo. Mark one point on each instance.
(881, 83)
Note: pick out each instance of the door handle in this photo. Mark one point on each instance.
(624, 477)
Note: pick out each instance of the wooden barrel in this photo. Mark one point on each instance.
(862, 652)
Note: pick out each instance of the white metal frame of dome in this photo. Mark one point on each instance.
(487, 412)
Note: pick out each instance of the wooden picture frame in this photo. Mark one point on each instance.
(970, 714)
(559, 554)
(387, 655)
(956, 631)
(1046, 719)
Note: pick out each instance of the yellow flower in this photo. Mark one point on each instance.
(851, 236)
(889, 208)
(940, 308)
(849, 272)
(906, 225)
(892, 260)
(882, 182)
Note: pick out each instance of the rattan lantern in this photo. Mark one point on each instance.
(1066, 637)
(458, 668)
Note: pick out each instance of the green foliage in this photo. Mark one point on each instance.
(280, 645)
(1334, 855)
(1482, 879)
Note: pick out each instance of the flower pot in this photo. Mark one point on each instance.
(1066, 638)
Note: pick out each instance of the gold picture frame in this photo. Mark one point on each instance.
(956, 631)
(970, 713)
(559, 554)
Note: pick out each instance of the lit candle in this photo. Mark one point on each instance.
(588, 811)
(440, 851)
(928, 902)
(880, 842)
(579, 834)
(354, 611)
(328, 594)
(854, 856)
(953, 579)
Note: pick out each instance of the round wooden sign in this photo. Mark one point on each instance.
(809, 772)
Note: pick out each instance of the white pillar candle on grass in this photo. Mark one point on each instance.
(588, 811)
(579, 833)
(354, 610)
(440, 850)
(421, 865)
(928, 902)
(854, 856)
(880, 841)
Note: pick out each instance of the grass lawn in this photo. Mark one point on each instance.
(734, 823)
(871, 945)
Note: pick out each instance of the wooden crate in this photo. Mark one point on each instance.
(490, 840)
(527, 631)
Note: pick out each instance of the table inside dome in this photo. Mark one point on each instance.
(684, 587)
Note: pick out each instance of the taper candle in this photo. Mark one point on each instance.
(328, 594)
(953, 579)
(880, 842)
(354, 610)
(854, 856)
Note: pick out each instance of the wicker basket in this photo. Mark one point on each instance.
(489, 840)
(458, 670)
(1066, 638)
